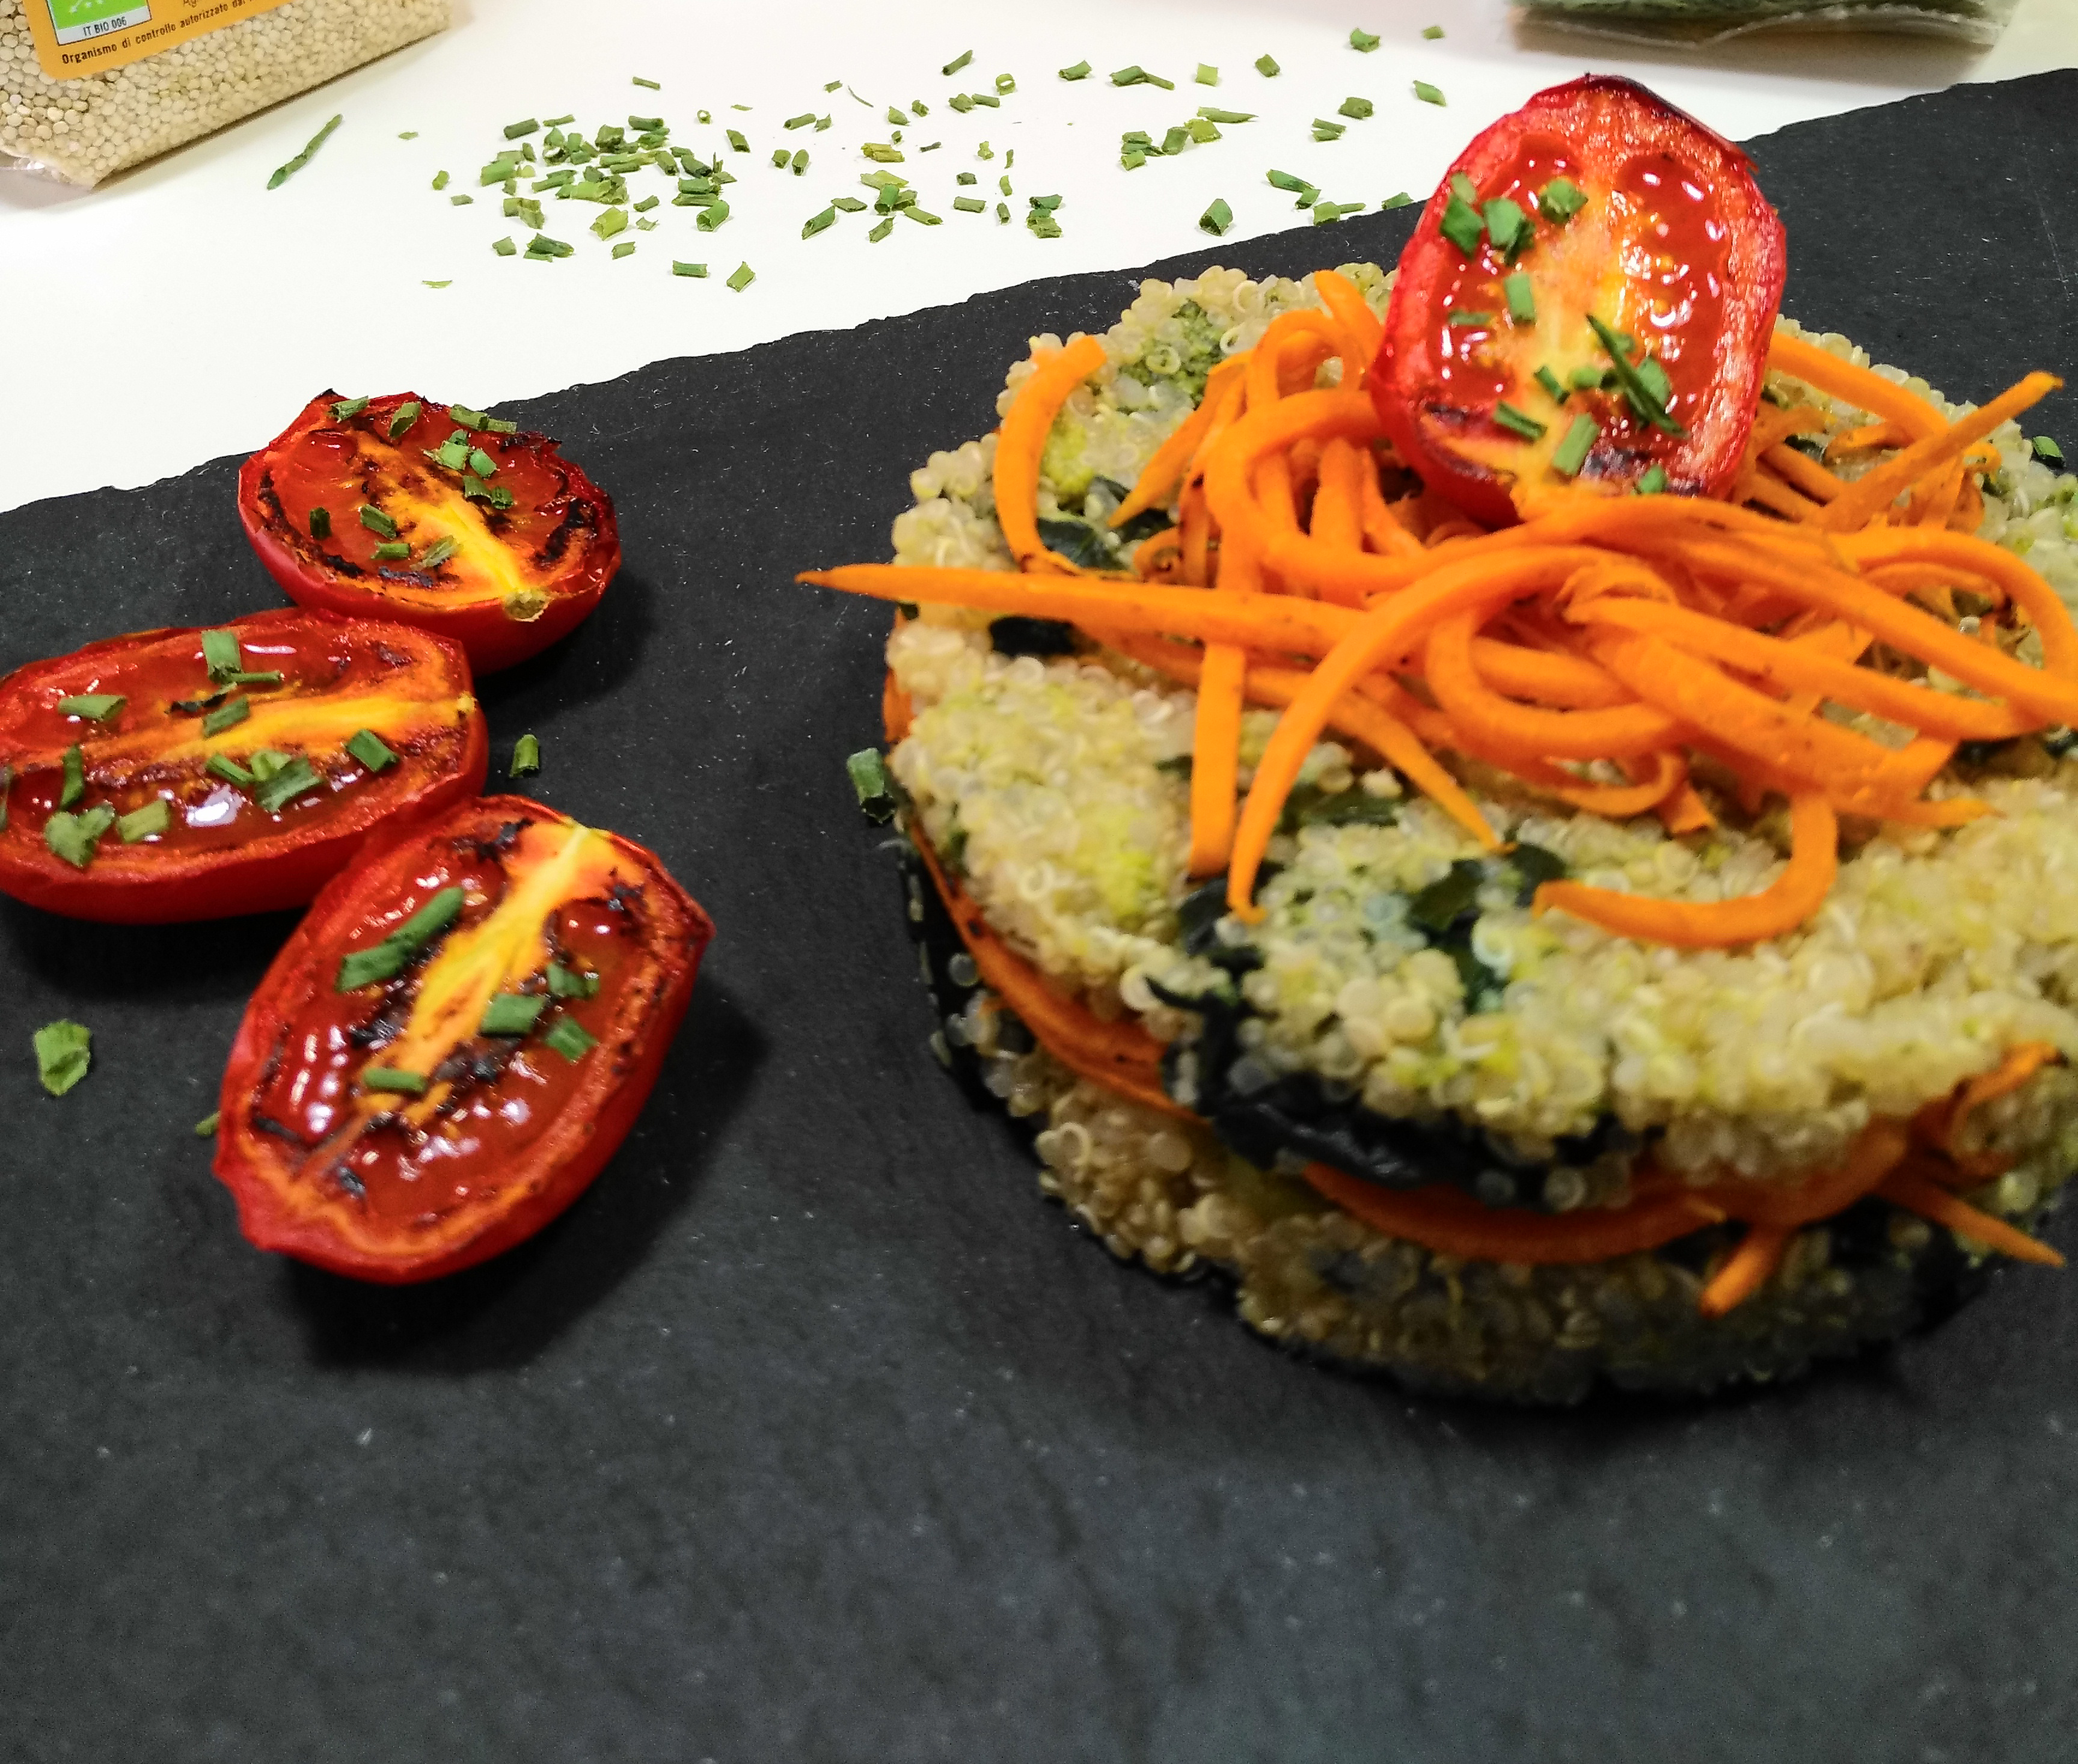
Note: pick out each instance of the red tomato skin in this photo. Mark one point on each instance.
(1609, 118)
(571, 1160)
(275, 874)
(491, 640)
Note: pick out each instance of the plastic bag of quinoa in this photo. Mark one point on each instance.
(88, 87)
(1699, 22)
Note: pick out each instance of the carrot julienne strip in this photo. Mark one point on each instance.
(1022, 441)
(1743, 1273)
(1909, 1188)
(1863, 388)
(1215, 757)
(1172, 459)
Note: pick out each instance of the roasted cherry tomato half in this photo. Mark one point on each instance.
(194, 774)
(1590, 294)
(433, 514)
(457, 1036)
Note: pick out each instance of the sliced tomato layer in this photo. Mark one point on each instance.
(395, 507)
(1588, 296)
(175, 775)
(455, 1041)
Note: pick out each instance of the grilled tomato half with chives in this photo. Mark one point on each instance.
(174, 775)
(1588, 295)
(434, 515)
(454, 1041)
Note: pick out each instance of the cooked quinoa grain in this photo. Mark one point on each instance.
(1552, 1057)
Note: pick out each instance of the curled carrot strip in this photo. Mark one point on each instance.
(1874, 1154)
(1549, 677)
(1359, 326)
(1338, 514)
(1023, 440)
(1781, 908)
(1941, 1123)
(1863, 388)
(1803, 472)
(1870, 494)
(1159, 554)
(1165, 471)
(1501, 725)
(1383, 529)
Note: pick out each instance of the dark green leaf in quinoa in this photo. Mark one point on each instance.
(1535, 865)
(1436, 907)
(1079, 542)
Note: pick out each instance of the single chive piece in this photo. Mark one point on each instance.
(1508, 227)
(1571, 453)
(504, 246)
(571, 982)
(439, 180)
(154, 818)
(882, 153)
(392, 1080)
(205, 1127)
(988, 99)
(966, 177)
(1521, 421)
(971, 205)
(651, 85)
(1175, 140)
(283, 174)
(345, 409)
(453, 455)
(462, 200)
(1288, 181)
(469, 418)
(1363, 41)
(514, 131)
(1267, 67)
(1325, 131)
(711, 217)
(526, 757)
(1216, 219)
(961, 103)
(881, 231)
(1398, 199)
(1327, 214)
(1079, 71)
(1049, 203)
(267, 762)
(557, 121)
(1005, 85)
(406, 414)
(1360, 109)
(407, 135)
(851, 205)
(65, 1049)
(366, 746)
(1552, 384)
(957, 63)
(1584, 379)
(615, 220)
(383, 961)
(1522, 294)
(247, 677)
(437, 284)
(1462, 226)
(801, 121)
(1132, 159)
(377, 522)
(1432, 31)
(1654, 482)
(224, 766)
(74, 785)
(74, 838)
(984, 152)
(1428, 93)
(95, 707)
(1207, 74)
(481, 463)
(1560, 200)
(439, 552)
(297, 779)
(741, 277)
(1009, 157)
(571, 1039)
(1464, 189)
(1213, 114)
(1003, 212)
(392, 551)
(2046, 450)
(1203, 130)
(800, 161)
(736, 140)
(898, 118)
(920, 215)
(678, 269)
(226, 716)
(1636, 388)
(512, 1013)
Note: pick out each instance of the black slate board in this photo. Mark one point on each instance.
(811, 1433)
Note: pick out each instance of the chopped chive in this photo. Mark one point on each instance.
(650, 85)
(920, 215)
(1079, 71)
(1552, 384)
(205, 1127)
(1267, 67)
(1522, 294)
(154, 818)
(1202, 129)
(1584, 379)
(571, 983)
(1207, 74)
(383, 961)
(245, 677)
(512, 1013)
(283, 174)
(1359, 109)
(1571, 453)
(224, 766)
(390, 1079)
(571, 1038)
(65, 1049)
(1326, 131)
(1049, 203)
(969, 205)
(1636, 388)
(2046, 450)
(406, 414)
(1654, 482)
(1560, 200)
(297, 779)
(1216, 219)
(741, 277)
(95, 707)
(1428, 93)
(736, 140)
(801, 121)
(542, 247)
(74, 838)
(439, 552)
(1175, 140)
(366, 746)
(1521, 421)
(1363, 41)
(462, 200)
(882, 230)
(984, 152)
(678, 269)
(800, 163)
(437, 285)
(1462, 226)
(1213, 114)
(898, 118)
(712, 216)
(986, 98)
(1136, 75)
(961, 103)
(1003, 212)
(1399, 199)
(74, 785)
(1005, 85)
(514, 131)
(1432, 31)
(228, 715)
(526, 757)
(851, 205)
(439, 180)
(407, 135)
(1132, 159)
(1326, 213)
(377, 522)
(882, 152)
(612, 221)
(345, 409)
(957, 63)
(624, 248)
(1288, 181)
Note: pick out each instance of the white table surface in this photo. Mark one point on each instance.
(184, 311)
